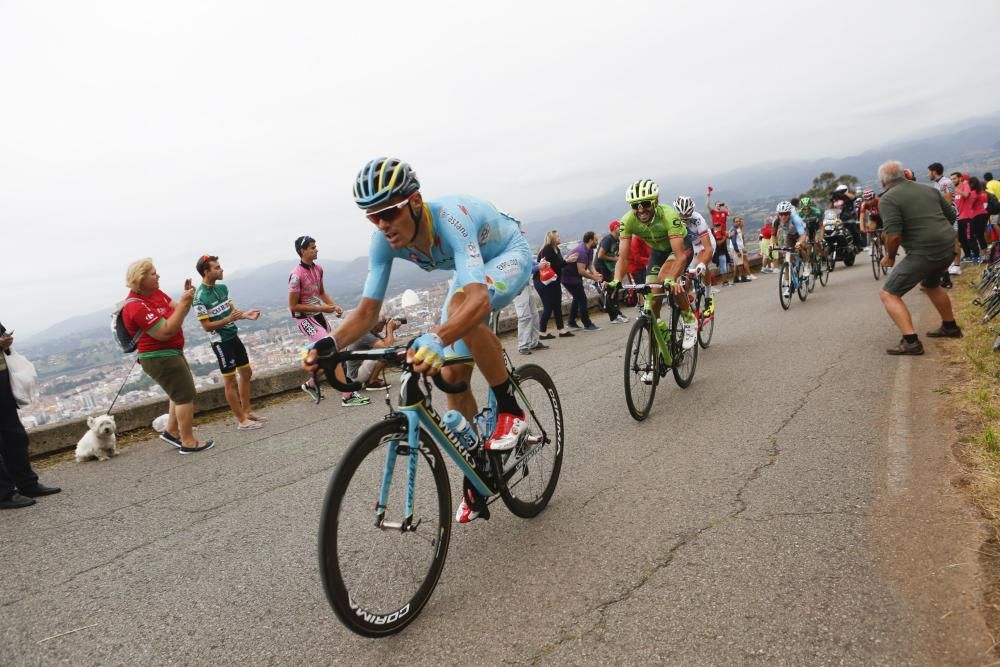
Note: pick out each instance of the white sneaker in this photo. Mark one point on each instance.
(806, 272)
(621, 319)
(955, 270)
(690, 334)
(646, 377)
(752, 277)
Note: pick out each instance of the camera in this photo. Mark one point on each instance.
(401, 320)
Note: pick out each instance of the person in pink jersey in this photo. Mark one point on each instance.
(309, 304)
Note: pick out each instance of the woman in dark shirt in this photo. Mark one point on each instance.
(551, 294)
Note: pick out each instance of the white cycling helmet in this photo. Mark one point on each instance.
(684, 206)
(783, 207)
(643, 190)
(840, 188)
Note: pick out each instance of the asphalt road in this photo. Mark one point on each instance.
(793, 506)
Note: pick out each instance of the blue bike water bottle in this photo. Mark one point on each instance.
(458, 425)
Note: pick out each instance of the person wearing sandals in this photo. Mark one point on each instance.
(550, 259)
(218, 316)
(161, 348)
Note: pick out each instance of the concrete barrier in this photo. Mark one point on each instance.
(64, 436)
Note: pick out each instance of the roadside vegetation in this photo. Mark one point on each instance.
(976, 394)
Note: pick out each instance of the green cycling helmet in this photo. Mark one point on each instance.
(643, 190)
(805, 201)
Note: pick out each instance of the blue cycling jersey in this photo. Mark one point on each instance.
(800, 226)
(466, 232)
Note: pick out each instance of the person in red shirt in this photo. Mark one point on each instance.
(638, 258)
(161, 348)
(720, 214)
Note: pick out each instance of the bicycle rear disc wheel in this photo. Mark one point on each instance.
(706, 326)
(642, 372)
(785, 286)
(531, 470)
(685, 361)
(378, 579)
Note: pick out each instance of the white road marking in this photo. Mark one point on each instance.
(898, 458)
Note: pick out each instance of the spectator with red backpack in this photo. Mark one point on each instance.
(154, 321)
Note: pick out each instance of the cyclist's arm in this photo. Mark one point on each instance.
(472, 311)
(705, 256)
(624, 248)
(677, 246)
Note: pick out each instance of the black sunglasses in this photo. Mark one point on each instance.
(644, 204)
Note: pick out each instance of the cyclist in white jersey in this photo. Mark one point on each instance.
(702, 239)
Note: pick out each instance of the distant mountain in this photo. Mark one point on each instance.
(971, 145)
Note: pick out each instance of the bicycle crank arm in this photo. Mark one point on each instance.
(405, 526)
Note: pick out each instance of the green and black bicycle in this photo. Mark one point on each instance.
(655, 348)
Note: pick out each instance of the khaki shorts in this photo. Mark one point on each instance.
(914, 269)
(173, 375)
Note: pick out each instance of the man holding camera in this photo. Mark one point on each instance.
(370, 372)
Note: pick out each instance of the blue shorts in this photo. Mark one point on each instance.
(506, 276)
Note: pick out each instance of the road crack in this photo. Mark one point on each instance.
(771, 452)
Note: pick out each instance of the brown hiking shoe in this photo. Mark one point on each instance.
(945, 332)
(906, 348)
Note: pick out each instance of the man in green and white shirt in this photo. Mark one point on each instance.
(218, 316)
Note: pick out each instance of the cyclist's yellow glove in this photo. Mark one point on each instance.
(429, 348)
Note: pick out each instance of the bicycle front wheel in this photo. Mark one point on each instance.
(811, 280)
(377, 579)
(876, 260)
(820, 269)
(530, 471)
(642, 372)
(803, 288)
(785, 286)
(685, 361)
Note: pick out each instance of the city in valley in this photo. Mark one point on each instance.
(273, 343)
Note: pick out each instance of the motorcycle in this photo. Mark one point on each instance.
(838, 240)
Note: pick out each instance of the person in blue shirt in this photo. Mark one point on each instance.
(790, 226)
(491, 260)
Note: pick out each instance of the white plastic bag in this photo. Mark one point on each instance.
(23, 379)
(160, 423)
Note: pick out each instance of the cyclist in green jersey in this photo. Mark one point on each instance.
(670, 249)
(812, 217)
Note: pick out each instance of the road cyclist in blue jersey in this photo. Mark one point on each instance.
(793, 230)
(491, 261)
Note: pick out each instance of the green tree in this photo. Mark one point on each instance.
(824, 185)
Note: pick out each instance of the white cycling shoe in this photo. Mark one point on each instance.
(690, 334)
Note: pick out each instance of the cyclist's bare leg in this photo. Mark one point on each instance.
(486, 349)
(680, 299)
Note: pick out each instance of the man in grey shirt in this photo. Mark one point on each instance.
(918, 218)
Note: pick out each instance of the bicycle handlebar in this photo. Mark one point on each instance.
(328, 360)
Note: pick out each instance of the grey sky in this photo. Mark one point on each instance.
(174, 129)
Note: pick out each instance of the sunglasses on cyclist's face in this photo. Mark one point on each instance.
(781, 215)
(645, 205)
(389, 213)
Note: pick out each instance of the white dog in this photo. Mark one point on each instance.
(99, 442)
